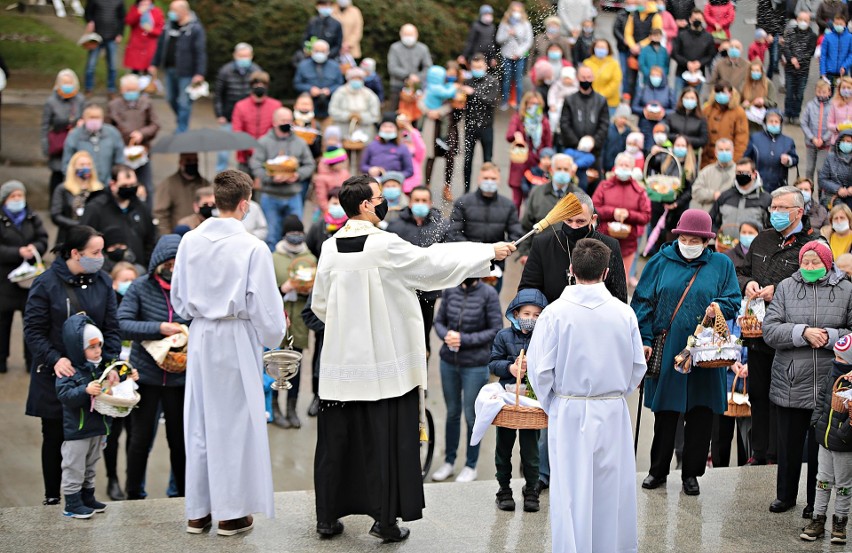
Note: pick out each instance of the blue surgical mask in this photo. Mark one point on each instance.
(656, 80)
(477, 73)
(679, 152)
(420, 210)
(392, 194)
(806, 195)
(173, 16)
(845, 147)
(623, 174)
(534, 110)
(488, 186)
(387, 136)
(723, 98)
(91, 265)
(123, 287)
(746, 240)
(630, 9)
(67, 88)
(319, 57)
(336, 211)
(561, 178)
(773, 129)
(839, 28)
(243, 63)
(131, 95)
(324, 12)
(356, 85)
(756, 75)
(16, 206)
(601, 52)
(689, 103)
(779, 220)
(733, 53)
(554, 55)
(725, 156)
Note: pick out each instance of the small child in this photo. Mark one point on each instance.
(757, 50)
(635, 146)
(332, 171)
(409, 99)
(814, 123)
(585, 160)
(616, 138)
(539, 174)
(522, 313)
(85, 429)
(834, 433)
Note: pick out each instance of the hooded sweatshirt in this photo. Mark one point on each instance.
(511, 340)
(836, 172)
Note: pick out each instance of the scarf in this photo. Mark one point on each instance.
(16, 218)
(533, 128)
(332, 224)
(286, 248)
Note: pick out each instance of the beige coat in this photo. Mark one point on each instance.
(713, 178)
(353, 28)
(173, 199)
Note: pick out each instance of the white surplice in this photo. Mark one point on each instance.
(225, 282)
(584, 358)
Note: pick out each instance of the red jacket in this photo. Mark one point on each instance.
(254, 119)
(516, 170)
(722, 15)
(612, 194)
(142, 44)
(757, 51)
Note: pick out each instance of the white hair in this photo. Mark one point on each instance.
(319, 42)
(243, 46)
(67, 73)
(128, 80)
(798, 198)
(626, 157)
(562, 157)
(725, 142)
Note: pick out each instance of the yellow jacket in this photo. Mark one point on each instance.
(608, 76)
(656, 23)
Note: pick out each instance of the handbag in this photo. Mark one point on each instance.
(655, 361)
(56, 142)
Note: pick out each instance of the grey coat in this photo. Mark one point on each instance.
(106, 147)
(798, 368)
(270, 147)
(404, 61)
(59, 113)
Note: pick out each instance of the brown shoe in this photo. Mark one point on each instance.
(235, 526)
(199, 525)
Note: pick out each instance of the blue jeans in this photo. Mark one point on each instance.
(178, 98)
(92, 62)
(223, 157)
(543, 458)
(461, 385)
(275, 209)
(513, 69)
(772, 69)
(622, 61)
(796, 83)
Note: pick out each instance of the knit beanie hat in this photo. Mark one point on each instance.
(395, 176)
(821, 249)
(546, 152)
(334, 154)
(332, 132)
(843, 349)
(623, 110)
(293, 224)
(9, 187)
(91, 336)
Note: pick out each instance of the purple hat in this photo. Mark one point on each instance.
(695, 222)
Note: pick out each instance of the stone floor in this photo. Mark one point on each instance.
(729, 516)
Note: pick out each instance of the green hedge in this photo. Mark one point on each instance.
(275, 27)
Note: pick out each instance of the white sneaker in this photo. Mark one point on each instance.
(443, 473)
(466, 475)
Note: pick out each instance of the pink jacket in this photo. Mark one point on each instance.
(612, 194)
(722, 15)
(670, 29)
(418, 153)
(325, 179)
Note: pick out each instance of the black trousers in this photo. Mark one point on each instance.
(144, 422)
(111, 449)
(427, 309)
(723, 436)
(698, 427)
(528, 440)
(794, 428)
(52, 436)
(764, 430)
(6, 320)
(472, 135)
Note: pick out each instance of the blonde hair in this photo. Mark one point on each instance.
(840, 82)
(512, 6)
(72, 184)
(756, 89)
(122, 266)
(525, 99)
(841, 207)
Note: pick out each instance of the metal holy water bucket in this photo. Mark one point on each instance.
(282, 365)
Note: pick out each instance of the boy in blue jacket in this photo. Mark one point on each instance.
(522, 313)
(85, 429)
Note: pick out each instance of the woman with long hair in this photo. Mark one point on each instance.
(515, 38)
(69, 200)
(840, 112)
(528, 127)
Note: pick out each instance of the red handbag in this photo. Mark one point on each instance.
(56, 142)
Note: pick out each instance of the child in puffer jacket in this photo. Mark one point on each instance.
(834, 434)
(522, 313)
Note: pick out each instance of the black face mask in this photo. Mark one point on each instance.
(190, 169)
(259, 91)
(723, 53)
(126, 192)
(381, 210)
(574, 235)
(165, 274)
(285, 128)
(743, 180)
(469, 282)
(116, 254)
(585, 85)
(206, 210)
(697, 25)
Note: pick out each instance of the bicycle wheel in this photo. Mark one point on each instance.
(427, 448)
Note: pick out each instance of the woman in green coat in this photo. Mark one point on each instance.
(701, 393)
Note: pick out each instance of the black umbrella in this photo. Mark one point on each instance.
(204, 140)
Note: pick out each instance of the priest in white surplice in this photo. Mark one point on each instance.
(224, 281)
(374, 360)
(585, 357)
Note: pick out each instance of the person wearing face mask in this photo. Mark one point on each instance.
(840, 112)
(563, 180)
(798, 48)
(22, 236)
(101, 140)
(552, 34)
(621, 199)
(385, 153)
(585, 113)
(391, 183)
(835, 175)
(106, 18)
(319, 76)
(687, 120)
(134, 116)
(720, 15)
(253, 114)
(725, 119)
(373, 80)
(203, 207)
(74, 282)
(815, 212)
(774, 153)
(693, 49)
(747, 232)
(68, 201)
(481, 39)
(803, 359)
(122, 208)
(233, 83)
(352, 26)
(652, 103)
(235, 314)
(528, 127)
(814, 124)
(628, 7)
(607, 74)
(61, 111)
(483, 96)
(146, 313)
(772, 257)
(679, 285)
(515, 38)
(773, 18)
(651, 56)
(324, 26)
(175, 195)
(637, 34)
(837, 231)
(407, 57)
(835, 50)
(746, 200)
(731, 67)
(146, 22)
(757, 96)
(115, 249)
(390, 378)
(714, 179)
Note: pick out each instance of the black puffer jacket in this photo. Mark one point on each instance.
(103, 212)
(145, 305)
(232, 85)
(480, 40)
(584, 114)
(434, 230)
(618, 30)
(692, 45)
(473, 312)
(477, 218)
(833, 430)
(12, 238)
(108, 16)
(692, 127)
(680, 9)
(733, 208)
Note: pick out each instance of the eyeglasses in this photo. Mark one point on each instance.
(774, 208)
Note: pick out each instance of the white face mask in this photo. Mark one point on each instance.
(660, 138)
(690, 252)
(840, 226)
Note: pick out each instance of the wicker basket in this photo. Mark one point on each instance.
(353, 145)
(175, 362)
(720, 328)
(738, 409)
(839, 404)
(519, 154)
(664, 188)
(520, 417)
(620, 231)
(26, 280)
(308, 134)
(750, 327)
(113, 406)
(286, 168)
(715, 364)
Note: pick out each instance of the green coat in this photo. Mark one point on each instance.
(297, 330)
(663, 281)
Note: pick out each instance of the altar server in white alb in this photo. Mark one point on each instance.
(374, 360)
(585, 357)
(224, 281)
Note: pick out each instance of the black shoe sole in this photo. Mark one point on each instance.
(389, 539)
(531, 509)
(507, 508)
(330, 532)
(691, 492)
(657, 484)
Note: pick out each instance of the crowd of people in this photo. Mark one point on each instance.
(674, 100)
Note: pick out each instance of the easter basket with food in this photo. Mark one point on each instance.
(116, 401)
(661, 187)
(170, 352)
(281, 165)
(751, 320)
(712, 346)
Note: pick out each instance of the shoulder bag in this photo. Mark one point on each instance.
(655, 362)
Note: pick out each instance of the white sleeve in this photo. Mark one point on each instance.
(177, 295)
(541, 361)
(439, 266)
(263, 299)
